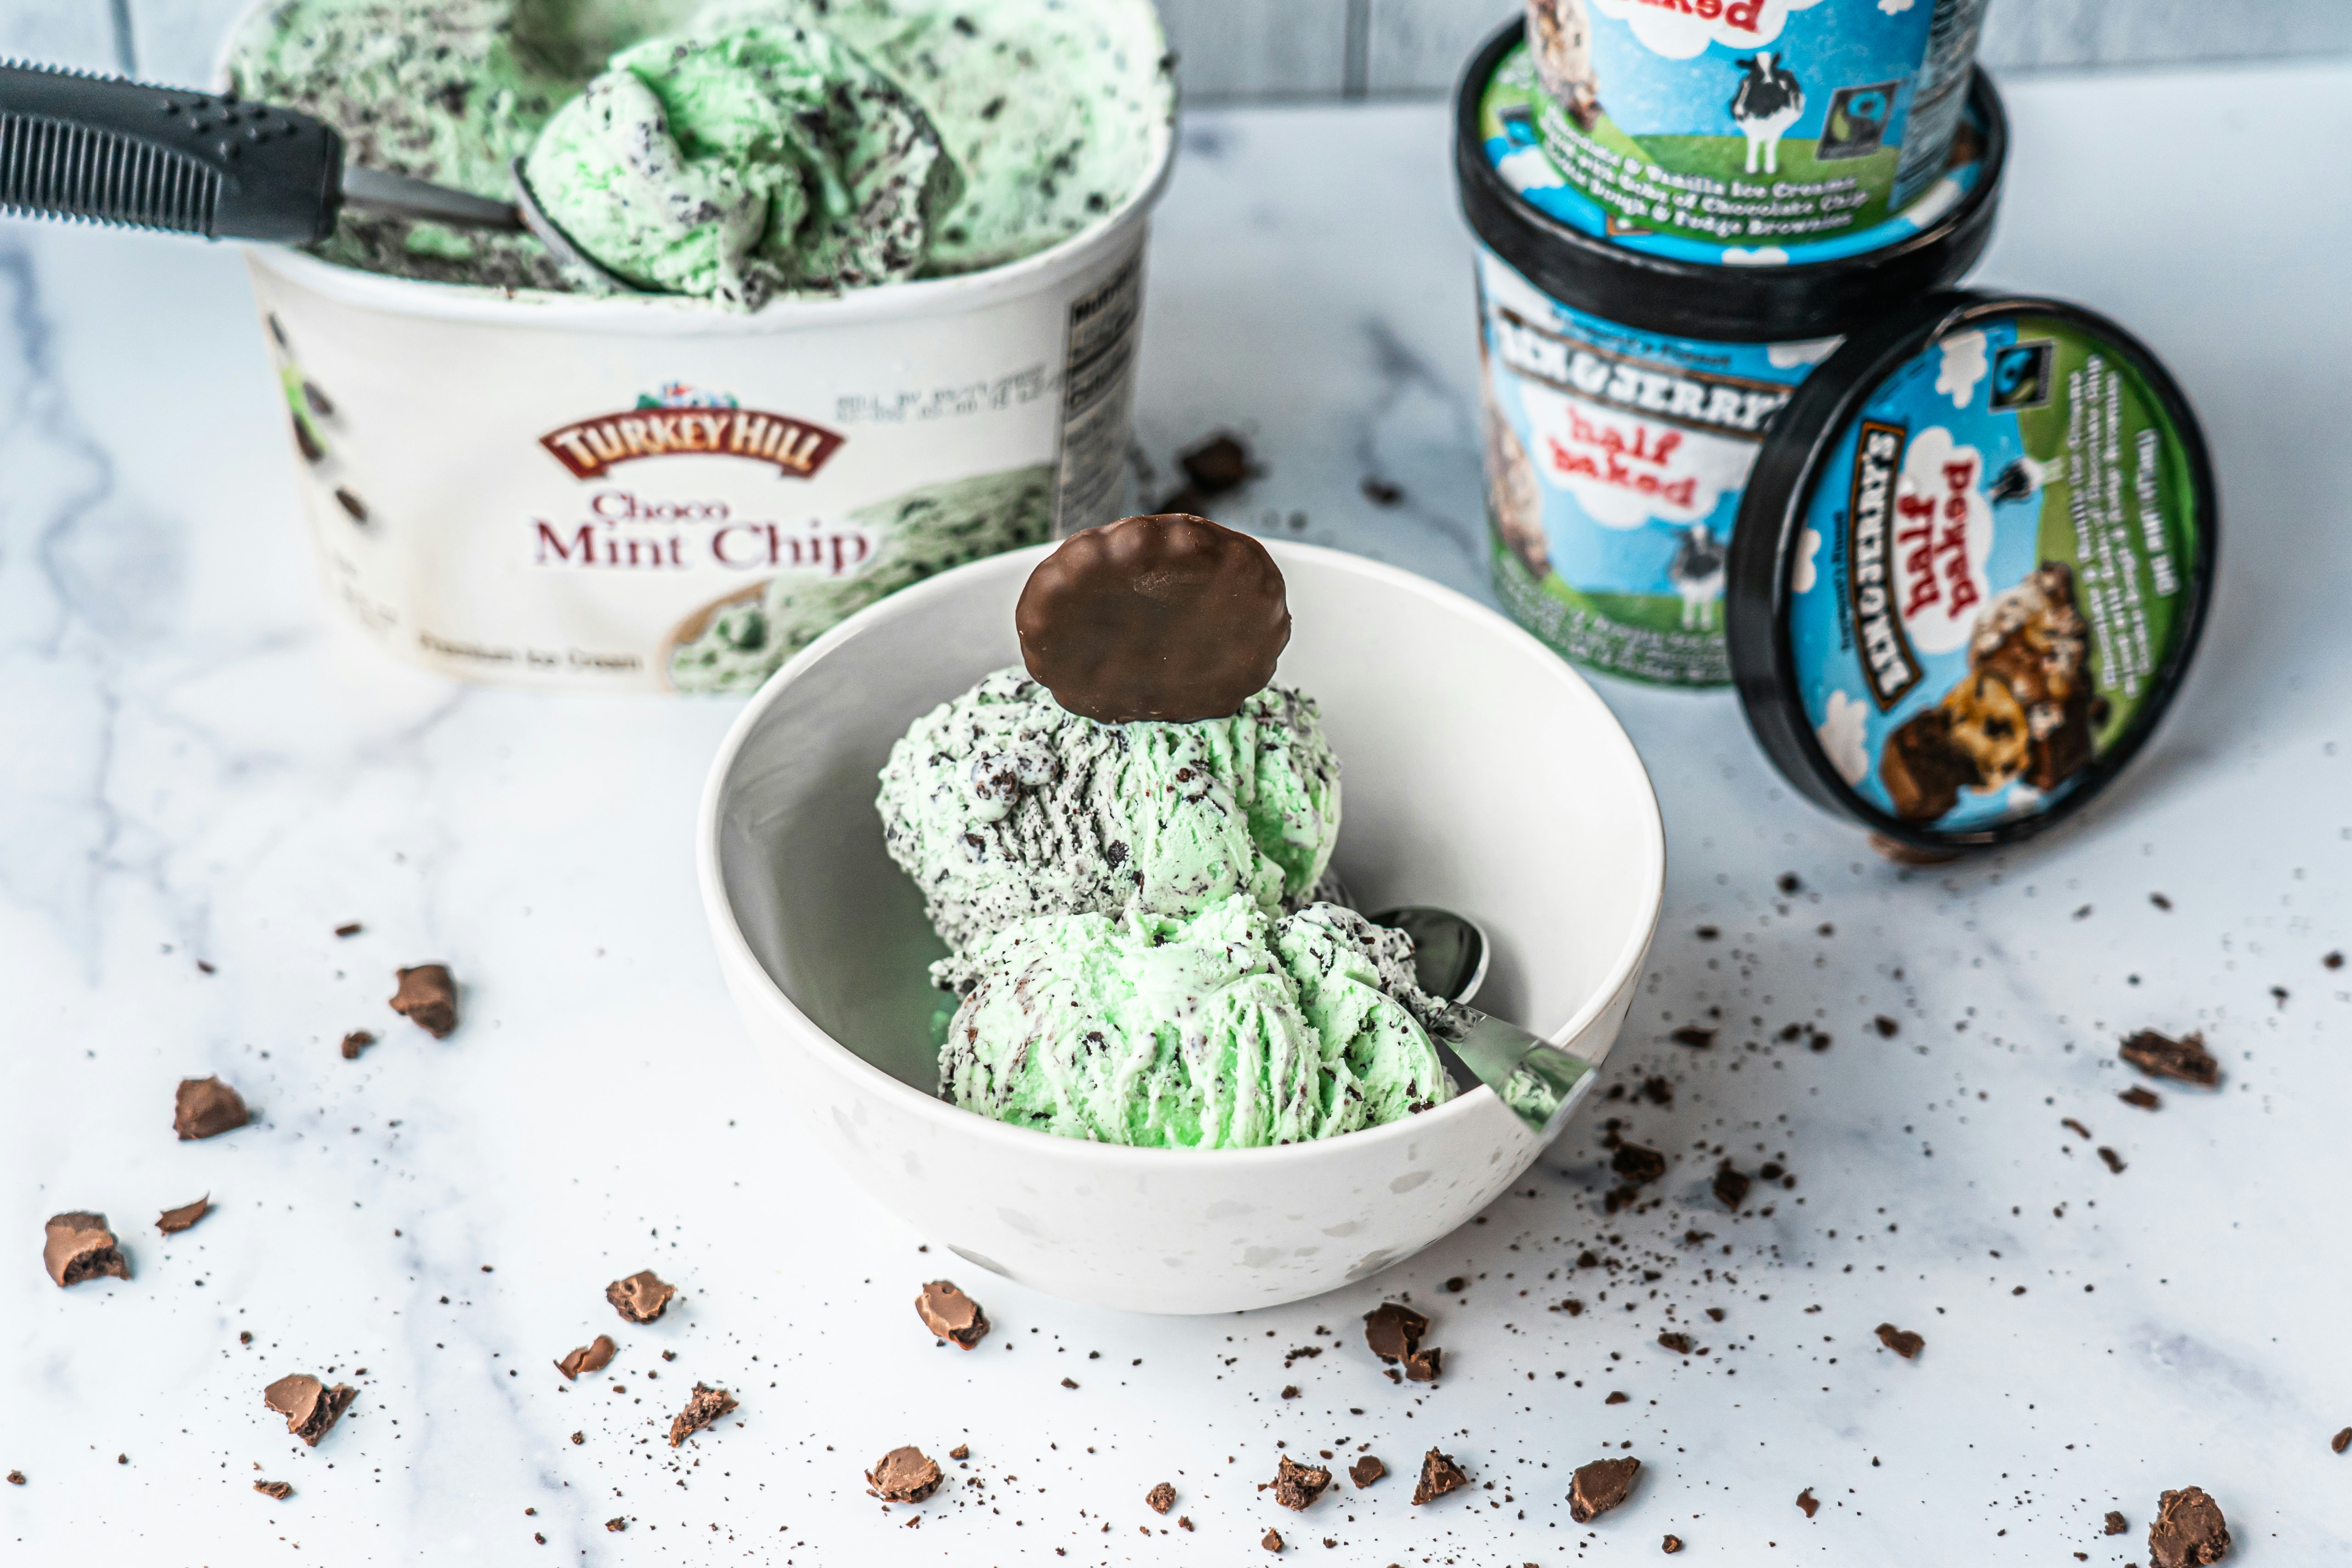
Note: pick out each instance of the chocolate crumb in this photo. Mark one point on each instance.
(1213, 467)
(1618, 1397)
(617, 1525)
(1637, 1165)
(2341, 1441)
(1294, 1486)
(2159, 1055)
(2116, 1525)
(427, 998)
(279, 1490)
(206, 1108)
(350, 503)
(1382, 492)
(1887, 1028)
(960, 1451)
(2076, 1128)
(1809, 1503)
(80, 1247)
(1731, 1186)
(1672, 1544)
(577, 1438)
(1423, 1366)
(950, 1314)
(1370, 1468)
(641, 1298)
(1290, 1391)
(904, 1475)
(1272, 1541)
(1457, 1285)
(1069, 1382)
(1601, 1486)
(593, 1356)
(1691, 1035)
(2159, 901)
(1678, 1343)
(1707, 933)
(1902, 1341)
(355, 1042)
(1439, 1474)
(2189, 1530)
(2332, 961)
(706, 1406)
(1159, 1498)
(1394, 1330)
(2144, 1099)
(310, 1406)
(2115, 1161)
(349, 928)
(171, 1221)
(15, 1477)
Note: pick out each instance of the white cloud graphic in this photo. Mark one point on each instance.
(1804, 576)
(1528, 169)
(1787, 356)
(1963, 367)
(1939, 559)
(1933, 202)
(1678, 35)
(1625, 470)
(1895, 7)
(1763, 256)
(1845, 732)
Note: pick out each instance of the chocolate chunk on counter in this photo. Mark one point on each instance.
(617, 1525)
(1272, 1541)
(2144, 1099)
(641, 1298)
(1439, 1474)
(1902, 1341)
(80, 1247)
(206, 1108)
(279, 1490)
(171, 1222)
(1731, 1186)
(1636, 1165)
(355, 1042)
(1671, 1544)
(1601, 1486)
(2341, 1441)
(1168, 617)
(2185, 1059)
(905, 1475)
(1367, 1470)
(960, 1451)
(593, 1356)
(349, 928)
(427, 998)
(706, 1406)
(1296, 1486)
(1161, 1499)
(1393, 1331)
(1423, 1366)
(2189, 1530)
(1693, 1035)
(1809, 1503)
(310, 1406)
(1678, 1343)
(15, 1477)
(950, 1314)
(2115, 1161)
(2116, 1524)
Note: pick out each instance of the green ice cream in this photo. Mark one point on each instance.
(735, 644)
(799, 144)
(1004, 806)
(1231, 1030)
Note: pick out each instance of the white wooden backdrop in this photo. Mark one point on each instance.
(1241, 50)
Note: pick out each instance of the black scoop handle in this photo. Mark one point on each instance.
(103, 148)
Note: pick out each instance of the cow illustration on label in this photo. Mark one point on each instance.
(1766, 101)
(1696, 572)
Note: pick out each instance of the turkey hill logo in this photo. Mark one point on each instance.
(680, 421)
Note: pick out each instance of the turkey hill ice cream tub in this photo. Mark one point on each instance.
(1971, 569)
(1741, 121)
(1627, 390)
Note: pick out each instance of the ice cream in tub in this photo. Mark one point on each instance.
(509, 478)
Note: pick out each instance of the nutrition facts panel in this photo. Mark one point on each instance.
(1097, 391)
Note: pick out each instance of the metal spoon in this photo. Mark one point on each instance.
(559, 245)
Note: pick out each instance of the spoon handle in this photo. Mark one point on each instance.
(1540, 1081)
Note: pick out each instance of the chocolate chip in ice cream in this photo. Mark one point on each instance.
(2185, 1059)
(641, 1298)
(1161, 1499)
(1601, 1486)
(279, 1490)
(427, 998)
(1902, 1341)
(80, 1247)
(1169, 617)
(706, 1406)
(906, 1475)
(2189, 1530)
(206, 1108)
(950, 1314)
(1367, 1470)
(1296, 1486)
(593, 1356)
(1439, 1474)
(173, 1221)
(310, 1406)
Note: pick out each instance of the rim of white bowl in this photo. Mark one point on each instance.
(728, 933)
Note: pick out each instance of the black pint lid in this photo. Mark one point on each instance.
(1761, 290)
(1970, 567)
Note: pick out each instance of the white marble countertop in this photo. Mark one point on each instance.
(200, 764)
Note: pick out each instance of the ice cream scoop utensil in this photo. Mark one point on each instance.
(112, 150)
(1449, 950)
(558, 244)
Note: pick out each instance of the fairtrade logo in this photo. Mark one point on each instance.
(689, 423)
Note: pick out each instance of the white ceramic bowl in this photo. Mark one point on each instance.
(1482, 774)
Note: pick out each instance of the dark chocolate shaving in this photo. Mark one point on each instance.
(1601, 1486)
(206, 1108)
(355, 1042)
(427, 998)
(2185, 1059)
(1902, 1341)
(706, 1406)
(1272, 1541)
(1439, 1474)
(950, 1314)
(904, 1475)
(1168, 617)
(2189, 1530)
(80, 1247)
(1296, 1486)
(2144, 1099)
(279, 1490)
(1393, 1331)
(171, 1222)
(1367, 1470)
(310, 1406)
(641, 1298)
(593, 1356)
